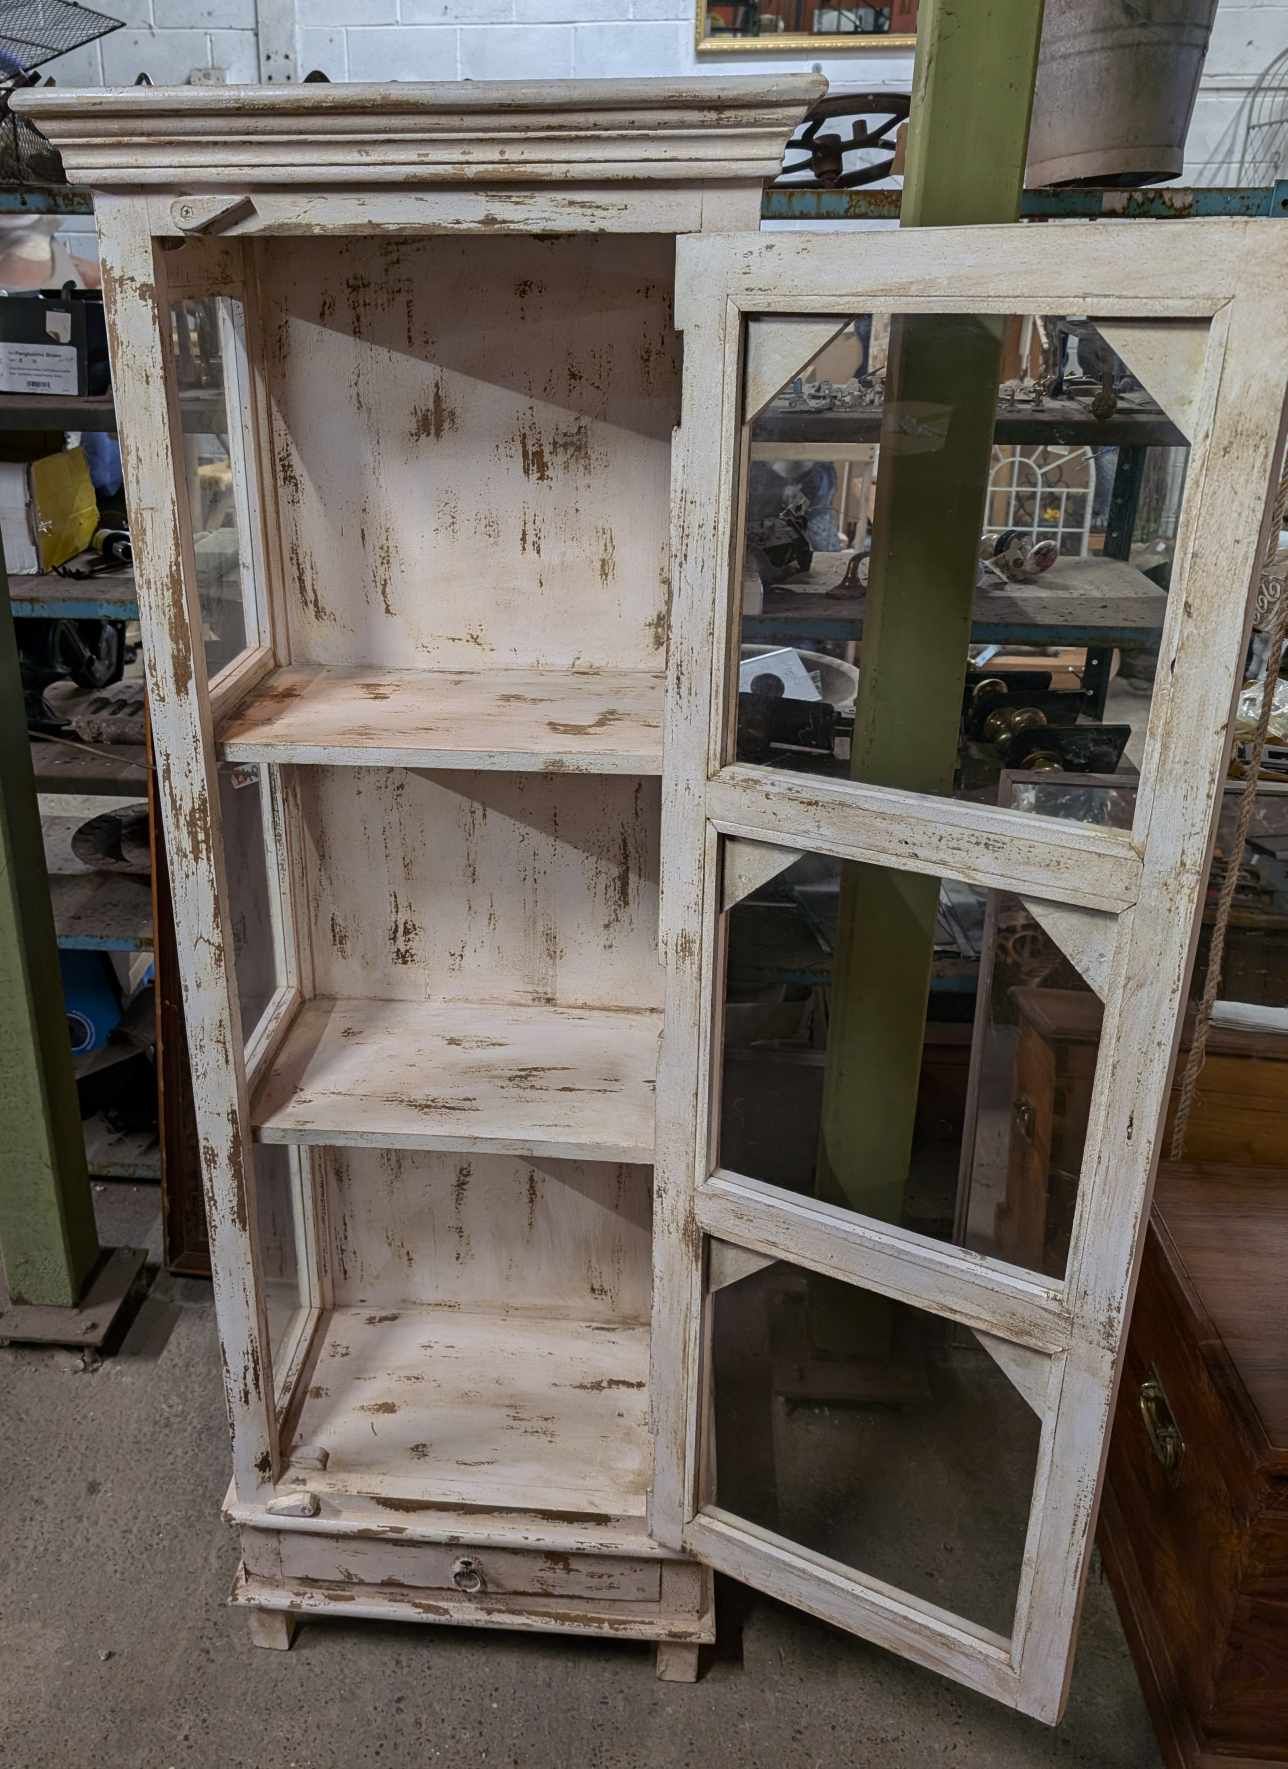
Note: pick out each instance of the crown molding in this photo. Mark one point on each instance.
(229, 138)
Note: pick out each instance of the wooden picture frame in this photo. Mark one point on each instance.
(902, 34)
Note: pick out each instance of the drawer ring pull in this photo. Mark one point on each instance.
(1160, 1427)
(467, 1575)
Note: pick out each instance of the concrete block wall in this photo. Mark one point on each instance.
(178, 40)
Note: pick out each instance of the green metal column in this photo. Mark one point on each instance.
(967, 143)
(48, 1242)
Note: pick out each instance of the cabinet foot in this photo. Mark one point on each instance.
(676, 1662)
(272, 1628)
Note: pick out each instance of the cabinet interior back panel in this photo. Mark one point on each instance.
(472, 441)
(411, 1227)
(482, 886)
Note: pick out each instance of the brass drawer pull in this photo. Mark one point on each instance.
(467, 1575)
(1160, 1427)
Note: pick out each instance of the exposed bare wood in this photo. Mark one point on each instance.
(210, 214)
(677, 1664)
(272, 1628)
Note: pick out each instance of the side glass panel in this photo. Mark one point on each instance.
(242, 799)
(954, 539)
(281, 1256)
(208, 352)
(896, 1044)
(873, 1433)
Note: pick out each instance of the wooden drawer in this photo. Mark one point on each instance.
(1185, 1526)
(1197, 1553)
(308, 1558)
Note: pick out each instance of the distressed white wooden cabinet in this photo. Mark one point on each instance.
(437, 712)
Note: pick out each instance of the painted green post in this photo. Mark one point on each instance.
(48, 1243)
(967, 142)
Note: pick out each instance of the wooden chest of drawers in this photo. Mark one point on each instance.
(1194, 1525)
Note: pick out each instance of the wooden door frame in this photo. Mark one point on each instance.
(1233, 275)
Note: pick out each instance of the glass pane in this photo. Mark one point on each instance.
(280, 1258)
(873, 1433)
(1255, 967)
(956, 540)
(241, 804)
(1035, 1063)
(869, 1016)
(207, 341)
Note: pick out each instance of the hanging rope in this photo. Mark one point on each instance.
(1272, 618)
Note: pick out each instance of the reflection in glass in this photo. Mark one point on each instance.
(875, 1434)
(879, 1112)
(957, 537)
(207, 346)
(1038, 1031)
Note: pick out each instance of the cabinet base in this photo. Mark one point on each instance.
(680, 1618)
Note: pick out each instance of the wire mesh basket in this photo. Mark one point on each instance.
(33, 32)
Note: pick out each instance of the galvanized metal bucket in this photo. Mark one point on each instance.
(1116, 85)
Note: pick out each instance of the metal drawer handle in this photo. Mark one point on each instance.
(1160, 1427)
(467, 1575)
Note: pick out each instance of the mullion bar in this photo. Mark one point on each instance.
(998, 848)
(943, 1279)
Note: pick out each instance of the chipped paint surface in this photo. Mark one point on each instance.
(484, 887)
(580, 1240)
(473, 448)
(524, 1404)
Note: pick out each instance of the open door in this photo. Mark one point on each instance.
(879, 1398)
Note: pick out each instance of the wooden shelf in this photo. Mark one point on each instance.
(561, 1081)
(481, 1407)
(606, 722)
(1087, 601)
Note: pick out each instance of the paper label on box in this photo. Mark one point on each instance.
(38, 368)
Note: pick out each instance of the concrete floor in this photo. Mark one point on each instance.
(116, 1649)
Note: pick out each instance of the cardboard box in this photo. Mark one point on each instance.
(53, 342)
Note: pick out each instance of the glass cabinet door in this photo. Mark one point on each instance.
(918, 1041)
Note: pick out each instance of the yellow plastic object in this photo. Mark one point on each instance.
(64, 509)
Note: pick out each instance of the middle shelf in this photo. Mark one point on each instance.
(507, 1079)
(591, 722)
